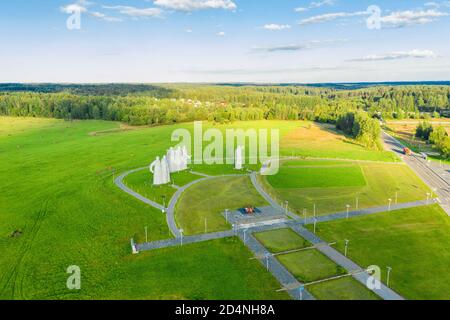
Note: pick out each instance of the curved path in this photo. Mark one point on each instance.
(119, 182)
(170, 211)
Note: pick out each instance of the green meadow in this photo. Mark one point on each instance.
(281, 240)
(207, 200)
(413, 242)
(59, 207)
(331, 185)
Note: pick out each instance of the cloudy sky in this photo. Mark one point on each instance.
(224, 40)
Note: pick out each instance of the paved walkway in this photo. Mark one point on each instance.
(284, 277)
(351, 267)
(119, 182)
(186, 240)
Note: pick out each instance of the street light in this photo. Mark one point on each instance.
(226, 214)
(428, 197)
(146, 235)
(267, 260)
(304, 214)
(346, 247)
(181, 232)
(206, 226)
(315, 223)
(396, 197)
(390, 202)
(286, 203)
(300, 291)
(389, 269)
(357, 203)
(164, 204)
(348, 208)
(314, 210)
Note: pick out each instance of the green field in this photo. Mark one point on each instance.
(208, 199)
(342, 289)
(309, 183)
(57, 192)
(281, 240)
(317, 177)
(142, 182)
(60, 207)
(414, 242)
(310, 265)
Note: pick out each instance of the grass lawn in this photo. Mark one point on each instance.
(309, 184)
(142, 182)
(342, 289)
(323, 141)
(208, 199)
(318, 177)
(57, 191)
(310, 265)
(219, 269)
(414, 242)
(281, 240)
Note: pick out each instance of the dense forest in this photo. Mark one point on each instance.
(153, 105)
(352, 110)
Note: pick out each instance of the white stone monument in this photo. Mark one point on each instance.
(156, 170)
(165, 171)
(185, 158)
(238, 158)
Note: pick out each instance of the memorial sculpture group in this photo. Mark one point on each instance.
(176, 160)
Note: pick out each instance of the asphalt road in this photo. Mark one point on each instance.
(433, 174)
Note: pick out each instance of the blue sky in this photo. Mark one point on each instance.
(224, 41)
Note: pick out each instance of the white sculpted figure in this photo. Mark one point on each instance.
(171, 160)
(185, 158)
(165, 171)
(238, 158)
(155, 169)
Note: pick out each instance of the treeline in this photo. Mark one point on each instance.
(149, 104)
(436, 136)
(360, 126)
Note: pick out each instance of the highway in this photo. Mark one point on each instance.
(435, 175)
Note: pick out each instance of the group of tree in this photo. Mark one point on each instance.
(437, 136)
(363, 128)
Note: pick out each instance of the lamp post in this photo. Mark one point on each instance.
(146, 235)
(390, 202)
(314, 210)
(396, 197)
(206, 225)
(357, 203)
(300, 291)
(164, 203)
(304, 214)
(346, 247)
(428, 198)
(286, 204)
(389, 269)
(226, 215)
(267, 261)
(348, 209)
(315, 223)
(181, 232)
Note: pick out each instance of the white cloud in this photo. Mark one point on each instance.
(276, 27)
(417, 54)
(191, 5)
(331, 16)
(136, 12)
(316, 4)
(221, 34)
(104, 17)
(411, 18)
(298, 47)
(79, 6)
